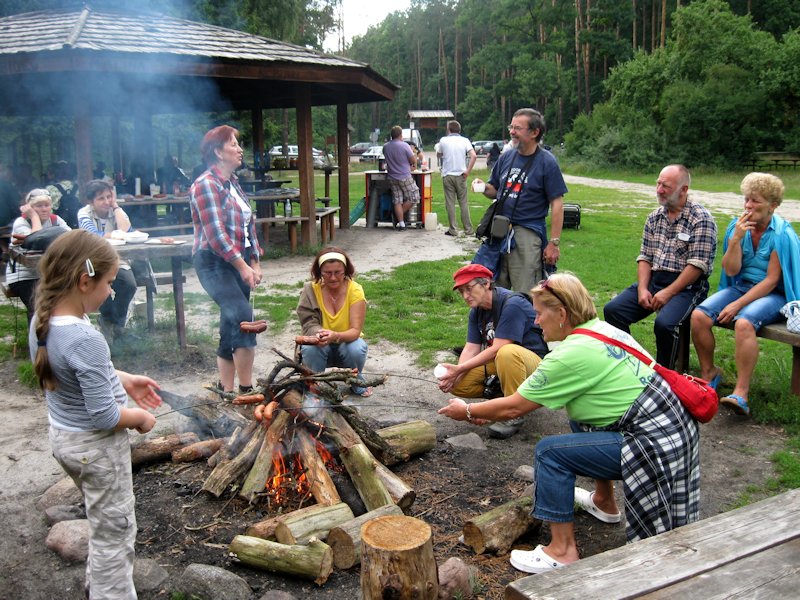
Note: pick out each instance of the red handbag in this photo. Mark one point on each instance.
(699, 398)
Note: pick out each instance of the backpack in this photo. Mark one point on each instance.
(69, 205)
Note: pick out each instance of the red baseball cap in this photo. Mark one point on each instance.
(469, 272)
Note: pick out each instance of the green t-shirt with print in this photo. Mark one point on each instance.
(595, 382)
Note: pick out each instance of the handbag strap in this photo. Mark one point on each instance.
(604, 338)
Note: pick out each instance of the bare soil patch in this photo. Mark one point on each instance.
(178, 525)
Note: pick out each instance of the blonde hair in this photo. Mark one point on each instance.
(37, 195)
(61, 268)
(764, 184)
(565, 289)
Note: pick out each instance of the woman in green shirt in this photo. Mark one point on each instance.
(626, 425)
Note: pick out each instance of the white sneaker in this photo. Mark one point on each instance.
(502, 430)
(534, 561)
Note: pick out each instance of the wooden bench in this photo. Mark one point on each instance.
(326, 225)
(150, 291)
(748, 552)
(773, 160)
(777, 332)
(291, 224)
(158, 228)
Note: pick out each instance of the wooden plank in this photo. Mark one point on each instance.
(660, 561)
(773, 573)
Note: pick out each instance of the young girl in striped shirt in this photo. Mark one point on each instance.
(87, 402)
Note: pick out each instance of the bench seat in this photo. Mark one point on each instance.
(291, 224)
(150, 291)
(326, 226)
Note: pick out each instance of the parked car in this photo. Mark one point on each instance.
(487, 146)
(478, 146)
(374, 154)
(289, 158)
(360, 148)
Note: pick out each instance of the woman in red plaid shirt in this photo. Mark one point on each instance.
(226, 252)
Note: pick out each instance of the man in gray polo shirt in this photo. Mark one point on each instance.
(400, 160)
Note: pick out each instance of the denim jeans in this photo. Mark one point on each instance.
(560, 458)
(625, 309)
(222, 282)
(763, 311)
(350, 355)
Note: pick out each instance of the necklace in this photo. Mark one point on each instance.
(335, 300)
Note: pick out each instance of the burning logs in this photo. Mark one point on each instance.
(232, 469)
(397, 559)
(496, 530)
(345, 539)
(314, 523)
(314, 561)
(271, 446)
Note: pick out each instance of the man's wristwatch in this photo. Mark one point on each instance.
(555, 241)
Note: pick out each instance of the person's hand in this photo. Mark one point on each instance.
(18, 238)
(456, 409)
(146, 421)
(326, 336)
(27, 211)
(257, 272)
(727, 314)
(142, 390)
(551, 254)
(743, 225)
(660, 299)
(248, 275)
(645, 298)
(452, 377)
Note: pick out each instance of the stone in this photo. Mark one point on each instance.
(61, 492)
(208, 582)
(524, 472)
(277, 595)
(64, 512)
(455, 579)
(469, 441)
(148, 575)
(69, 539)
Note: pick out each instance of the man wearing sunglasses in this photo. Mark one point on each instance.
(531, 181)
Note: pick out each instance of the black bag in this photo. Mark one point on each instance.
(39, 241)
(69, 205)
(572, 216)
(492, 223)
(485, 225)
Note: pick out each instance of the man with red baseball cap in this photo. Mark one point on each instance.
(503, 342)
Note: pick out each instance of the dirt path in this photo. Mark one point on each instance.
(735, 451)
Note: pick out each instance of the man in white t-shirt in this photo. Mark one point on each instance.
(454, 149)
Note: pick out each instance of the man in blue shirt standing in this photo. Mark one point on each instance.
(530, 179)
(400, 160)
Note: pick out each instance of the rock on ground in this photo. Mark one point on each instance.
(213, 583)
(70, 539)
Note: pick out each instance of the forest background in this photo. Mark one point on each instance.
(622, 83)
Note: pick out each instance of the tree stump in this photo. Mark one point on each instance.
(397, 560)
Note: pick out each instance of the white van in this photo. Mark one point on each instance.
(412, 136)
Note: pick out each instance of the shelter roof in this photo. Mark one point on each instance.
(430, 114)
(54, 47)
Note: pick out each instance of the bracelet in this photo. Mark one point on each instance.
(469, 415)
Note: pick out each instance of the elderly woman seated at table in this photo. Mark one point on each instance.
(104, 217)
(331, 310)
(37, 214)
(760, 273)
(626, 423)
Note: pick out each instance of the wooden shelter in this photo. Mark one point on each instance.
(90, 63)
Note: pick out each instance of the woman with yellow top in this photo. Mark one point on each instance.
(332, 308)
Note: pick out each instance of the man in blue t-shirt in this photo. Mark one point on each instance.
(400, 160)
(531, 180)
(502, 340)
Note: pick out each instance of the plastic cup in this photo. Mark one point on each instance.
(439, 371)
(478, 186)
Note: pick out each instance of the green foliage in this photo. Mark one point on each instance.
(26, 375)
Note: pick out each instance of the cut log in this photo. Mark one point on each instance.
(319, 480)
(397, 559)
(312, 524)
(401, 493)
(197, 451)
(345, 539)
(409, 439)
(359, 462)
(160, 449)
(266, 529)
(496, 530)
(263, 464)
(314, 561)
(379, 447)
(228, 471)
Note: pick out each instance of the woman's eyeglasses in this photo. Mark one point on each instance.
(545, 285)
(331, 274)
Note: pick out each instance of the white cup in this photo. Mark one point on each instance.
(478, 186)
(439, 371)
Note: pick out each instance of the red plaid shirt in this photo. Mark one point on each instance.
(217, 218)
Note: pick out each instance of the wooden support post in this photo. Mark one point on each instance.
(397, 560)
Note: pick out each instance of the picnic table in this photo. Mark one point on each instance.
(176, 252)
